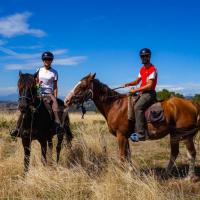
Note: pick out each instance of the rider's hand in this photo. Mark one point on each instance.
(133, 90)
(125, 85)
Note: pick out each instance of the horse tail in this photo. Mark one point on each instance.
(66, 126)
(198, 115)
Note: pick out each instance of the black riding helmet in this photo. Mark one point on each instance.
(145, 51)
(47, 55)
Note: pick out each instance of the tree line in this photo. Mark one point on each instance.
(165, 94)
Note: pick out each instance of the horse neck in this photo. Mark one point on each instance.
(103, 100)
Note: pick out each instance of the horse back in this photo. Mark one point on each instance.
(181, 112)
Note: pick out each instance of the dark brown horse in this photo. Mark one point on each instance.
(36, 120)
(181, 118)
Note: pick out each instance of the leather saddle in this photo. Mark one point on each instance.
(48, 104)
(153, 114)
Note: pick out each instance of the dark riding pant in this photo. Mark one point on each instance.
(55, 107)
(145, 100)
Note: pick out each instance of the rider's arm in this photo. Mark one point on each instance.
(135, 82)
(147, 87)
(55, 89)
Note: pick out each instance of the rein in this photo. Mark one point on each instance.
(88, 95)
(31, 105)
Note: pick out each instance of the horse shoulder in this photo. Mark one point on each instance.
(117, 116)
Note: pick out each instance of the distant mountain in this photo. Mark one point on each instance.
(14, 97)
(189, 97)
(11, 97)
(10, 103)
(8, 106)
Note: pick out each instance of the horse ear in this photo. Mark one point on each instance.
(93, 75)
(20, 73)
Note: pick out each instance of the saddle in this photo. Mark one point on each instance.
(153, 114)
(48, 104)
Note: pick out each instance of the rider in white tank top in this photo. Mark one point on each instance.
(47, 77)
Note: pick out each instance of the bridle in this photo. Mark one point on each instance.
(24, 96)
(85, 95)
(31, 107)
(88, 94)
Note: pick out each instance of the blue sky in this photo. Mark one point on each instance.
(103, 37)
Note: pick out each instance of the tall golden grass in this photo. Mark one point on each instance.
(91, 169)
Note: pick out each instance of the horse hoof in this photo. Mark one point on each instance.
(14, 133)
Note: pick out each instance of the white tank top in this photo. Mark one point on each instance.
(46, 78)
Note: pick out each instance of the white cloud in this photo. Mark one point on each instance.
(16, 61)
(70, 61)
(60, 51)
(16, 24)
(30, 65)
(171, 87)
(33, 64)
(14, 55)
(27, 47)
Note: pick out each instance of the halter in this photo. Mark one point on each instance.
(24, 94)
(86, 95)
(31, 99)
(31, 107)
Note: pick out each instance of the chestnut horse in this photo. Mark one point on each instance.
(181, 118)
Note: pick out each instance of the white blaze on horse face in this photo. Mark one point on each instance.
(71, 93)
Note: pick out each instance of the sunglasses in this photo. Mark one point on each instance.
(145, 56)
(47, 59)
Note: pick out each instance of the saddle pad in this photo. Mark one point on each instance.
(155, 113)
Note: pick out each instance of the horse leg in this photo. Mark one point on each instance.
(43, 144)
(174, 153)
(58, 147)
(124, 149)
(128, 152)
(27, 151)
(50, 150)
(191, 153)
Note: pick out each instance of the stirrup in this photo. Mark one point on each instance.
(136, 137)
(14, 133)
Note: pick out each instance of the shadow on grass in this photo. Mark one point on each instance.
(178, 172)
(92, 162)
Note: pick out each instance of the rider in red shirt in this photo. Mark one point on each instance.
(148, 78)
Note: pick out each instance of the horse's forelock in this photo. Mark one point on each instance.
(26, 80)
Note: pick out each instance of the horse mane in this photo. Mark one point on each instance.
(106, 93)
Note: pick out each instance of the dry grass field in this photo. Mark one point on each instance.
(91, 169)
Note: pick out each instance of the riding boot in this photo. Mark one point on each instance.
(141, 136)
